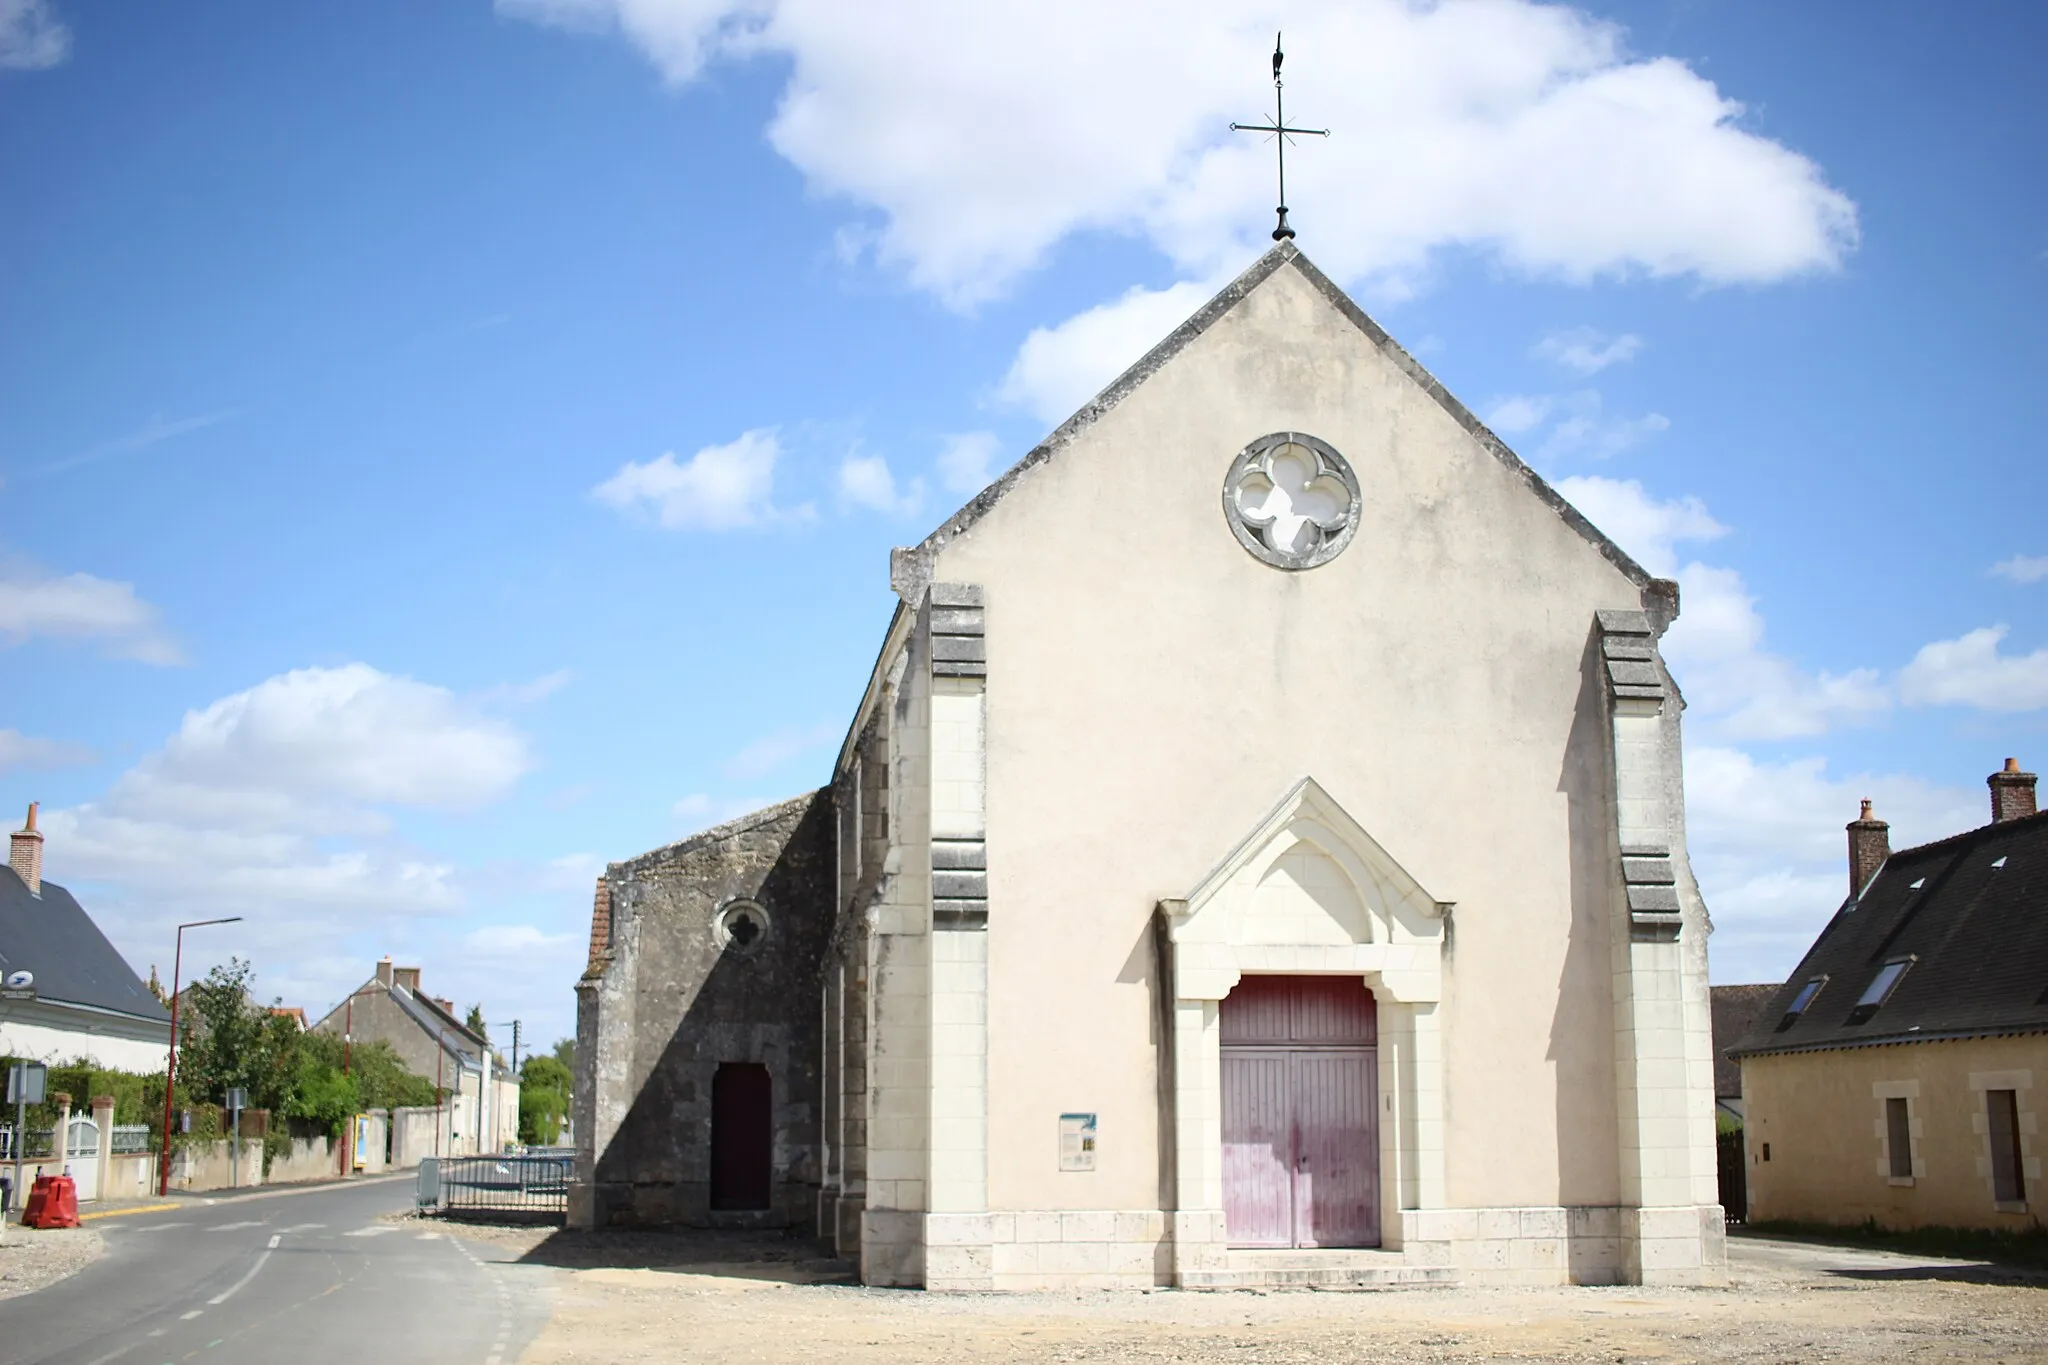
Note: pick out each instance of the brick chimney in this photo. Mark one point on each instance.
(1870, 843)
(25, 849)
(408, 977)
(2012, 795)
(384, 971)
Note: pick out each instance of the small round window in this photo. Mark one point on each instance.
(1291, 500)
(741, 927)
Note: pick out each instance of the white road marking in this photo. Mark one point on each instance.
(374, 1230)
(232, 1289)
(230, 1227)
(428, 1237)
(159, 1227)
(187, 1317)
(306, 1227)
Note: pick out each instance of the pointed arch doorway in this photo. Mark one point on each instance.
(1301, 1147)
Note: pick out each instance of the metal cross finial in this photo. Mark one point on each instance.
(1280, 131)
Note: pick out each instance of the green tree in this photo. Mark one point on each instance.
(543, 1099)
(228, 1041)
(565, 1053)
(475, 1022)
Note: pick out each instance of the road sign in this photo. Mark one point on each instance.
(26, 1082)
(238, 1100)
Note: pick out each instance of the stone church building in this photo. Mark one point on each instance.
(1258, 857)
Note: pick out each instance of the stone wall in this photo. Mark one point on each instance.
(679, 990)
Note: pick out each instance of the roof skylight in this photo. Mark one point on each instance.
(1801, 1002)
(1880, 989)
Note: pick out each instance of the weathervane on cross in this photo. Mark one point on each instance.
(1280, 131)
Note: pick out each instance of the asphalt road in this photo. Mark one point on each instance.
(310, 1277)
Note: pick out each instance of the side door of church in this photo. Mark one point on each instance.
(1300, 1114)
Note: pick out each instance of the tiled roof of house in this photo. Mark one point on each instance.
(53, 937)
(1959, 929)
(1736, 1010)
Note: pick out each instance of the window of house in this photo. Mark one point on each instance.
(1880, 988)
(1800, 1002)
(1898, 1128)
(2008, 1178)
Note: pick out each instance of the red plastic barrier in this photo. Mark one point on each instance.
(52, 1203)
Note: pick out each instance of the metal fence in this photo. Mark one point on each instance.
(533, 1183)
(39, 1144)
(130, 1138)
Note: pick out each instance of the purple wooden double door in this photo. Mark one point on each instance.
(1301, 1148)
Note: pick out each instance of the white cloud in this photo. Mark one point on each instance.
(1768, 849)
(1742, 690)
(320, 748)
(1524, 130)
(1518, 412)
(81, 607)
(966, 460)
(770, 752)
(18, 750)
(865, 481)
(276, 804)
(1588, 430)
(1057, 369)
(1587, 350)
(1648, 528)
(1736, 687)
(504, 944)
(1973, 671)
(720, 488)
(700, 810)
(2022, 568)
(31, 38)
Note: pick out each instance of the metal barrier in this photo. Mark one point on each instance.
(533, 1183)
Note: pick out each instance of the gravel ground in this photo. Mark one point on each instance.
(31, 1260)
(630, 1297)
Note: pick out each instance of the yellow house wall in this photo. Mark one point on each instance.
(1822, 1114)
(1153, 690)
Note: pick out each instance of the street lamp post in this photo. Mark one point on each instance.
(163, 1176)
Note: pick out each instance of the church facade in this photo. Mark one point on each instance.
(1258, 854)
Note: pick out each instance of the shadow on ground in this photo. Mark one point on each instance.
(770, 1256)
(1980, 1273)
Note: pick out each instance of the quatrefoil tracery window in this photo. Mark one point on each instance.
(1291, 500)
(741, 927)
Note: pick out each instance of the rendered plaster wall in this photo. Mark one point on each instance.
(1823, 1114)
(673, 1002)
(1152, 690)
(54, 1039)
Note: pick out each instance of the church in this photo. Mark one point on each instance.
(1257, 858)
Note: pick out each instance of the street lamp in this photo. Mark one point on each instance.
(163, 1178)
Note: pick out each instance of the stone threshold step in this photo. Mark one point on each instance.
(1319, 1270)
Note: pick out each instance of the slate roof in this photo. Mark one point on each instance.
(73, 962)
(1971, 912)
(1736, 1010)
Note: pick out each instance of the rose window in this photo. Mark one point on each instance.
(1291, 500)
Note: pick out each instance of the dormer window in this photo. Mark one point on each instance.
(1880, 989)
(1801, 1002)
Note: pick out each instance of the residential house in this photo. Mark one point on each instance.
(88, 1003)
(1901, 1073)
(482, 1110)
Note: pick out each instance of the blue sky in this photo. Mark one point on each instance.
(443, 448)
